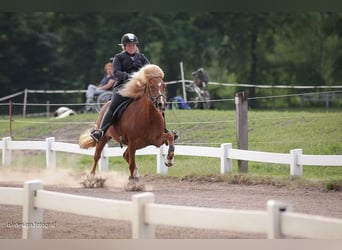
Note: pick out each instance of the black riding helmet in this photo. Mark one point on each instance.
(129, 38)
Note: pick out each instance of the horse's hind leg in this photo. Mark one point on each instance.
(99, 147)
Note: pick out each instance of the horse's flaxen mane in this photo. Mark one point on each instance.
(136, 86)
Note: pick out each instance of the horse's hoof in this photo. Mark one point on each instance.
(168, 162)
(133, 179)
(92, 181)
(134, 186)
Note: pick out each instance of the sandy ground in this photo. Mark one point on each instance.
(167, 191)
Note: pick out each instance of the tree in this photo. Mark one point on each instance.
(29, 52)
(68, 50)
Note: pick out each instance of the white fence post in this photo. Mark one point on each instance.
(140, 229)
(226, 163)
(295, 169)
(32, 216)
(183, 81)
(50, 154)
(274, 210)
(104, 160)
(161, 168)
(6, 152)
(25, 102)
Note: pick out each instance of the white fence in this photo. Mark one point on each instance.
(296, 159)
(278, 221)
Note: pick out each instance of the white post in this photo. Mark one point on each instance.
(25, 102)
(226, 163)
(183, 81)
(6, 152)
(161, 168)
(274, 210)
(104, 160)
(295, 169)
(32, 216)
(141, 229)
(50, 154)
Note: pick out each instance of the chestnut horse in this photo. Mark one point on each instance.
(142, 123)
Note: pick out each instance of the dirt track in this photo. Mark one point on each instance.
(167, 191)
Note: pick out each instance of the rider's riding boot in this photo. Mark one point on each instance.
(97, 134)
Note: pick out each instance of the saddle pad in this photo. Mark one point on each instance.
(120, 109)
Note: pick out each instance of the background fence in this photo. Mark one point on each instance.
(295, 159)
(318, 95)
(277, 221)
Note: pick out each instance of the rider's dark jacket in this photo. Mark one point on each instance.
(125, 64)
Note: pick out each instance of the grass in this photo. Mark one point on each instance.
(315, 132)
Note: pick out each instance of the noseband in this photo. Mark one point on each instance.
(158, 102)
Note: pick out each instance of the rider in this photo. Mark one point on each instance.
(125, 63)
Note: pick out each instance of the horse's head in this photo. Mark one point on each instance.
(156, 90)
(149, 79)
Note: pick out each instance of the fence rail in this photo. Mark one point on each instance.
(326, 96)
(296, 159)
(278, 221)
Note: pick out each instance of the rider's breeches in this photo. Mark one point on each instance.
(108, 115)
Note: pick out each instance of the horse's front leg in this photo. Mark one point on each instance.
(133, 183)
(171, 151)
(129, 156)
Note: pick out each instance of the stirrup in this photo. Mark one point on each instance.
(96, 134)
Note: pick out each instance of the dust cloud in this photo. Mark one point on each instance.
(13, 175)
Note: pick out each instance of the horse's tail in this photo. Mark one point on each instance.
(85, 141)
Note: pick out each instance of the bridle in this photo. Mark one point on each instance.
(157, 100)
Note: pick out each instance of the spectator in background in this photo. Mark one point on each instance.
(106, 84)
